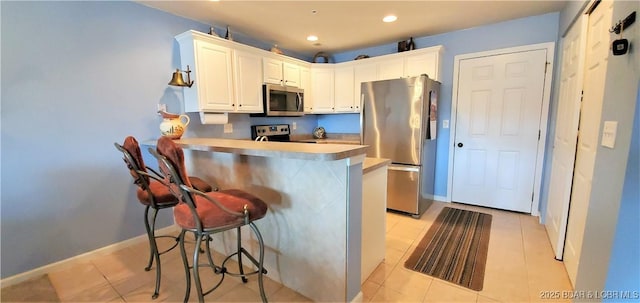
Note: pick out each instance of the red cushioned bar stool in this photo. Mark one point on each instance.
(154, 194)
(205, 214)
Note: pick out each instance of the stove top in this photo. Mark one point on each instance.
(274, 132)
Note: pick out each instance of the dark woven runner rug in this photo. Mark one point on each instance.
(454, 248)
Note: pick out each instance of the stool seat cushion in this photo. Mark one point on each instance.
(160, 192)
(212, 216)
(200, 184)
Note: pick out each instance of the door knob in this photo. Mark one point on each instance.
(460, 144)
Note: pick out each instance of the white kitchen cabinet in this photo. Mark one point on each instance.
(281, 72)
(391, 68)
(423, 63)
(363, 73)
(248, 81)
(212, 65)
(305, 84)
(343, 90)
(322, 88)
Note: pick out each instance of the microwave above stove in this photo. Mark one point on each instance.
(281, 101)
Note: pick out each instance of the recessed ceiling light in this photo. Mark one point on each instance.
(312, 38)
(389, 18)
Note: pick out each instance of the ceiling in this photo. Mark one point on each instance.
(349, 25)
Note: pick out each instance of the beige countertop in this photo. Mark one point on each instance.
(292, 150)
(372, 163)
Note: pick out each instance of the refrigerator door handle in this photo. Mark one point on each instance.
(404, 168)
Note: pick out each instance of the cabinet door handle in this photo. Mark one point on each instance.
(239, 105)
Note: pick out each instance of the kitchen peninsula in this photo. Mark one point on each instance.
(313, 229)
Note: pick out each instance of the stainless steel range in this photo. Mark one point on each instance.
(274, 132)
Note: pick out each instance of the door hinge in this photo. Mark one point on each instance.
(532, 194)
(538, 135)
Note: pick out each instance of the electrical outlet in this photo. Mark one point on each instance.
(228, 128)
(294, 125)
(162, 107)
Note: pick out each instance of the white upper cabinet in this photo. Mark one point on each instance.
(424, 63)
(322, 88)
(291, 74)
(212, 90)
(343, 90)
(363, 73)
(392, 68)
(248, 80)
(305, 84)
(228, 76)
(281, 72)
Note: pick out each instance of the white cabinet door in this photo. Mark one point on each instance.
(213, 78)
(305, 84)
(343, 94)
(362, 73)
(272, 72)
(391, 69)
(322, 85)
(291, 74)
(281, 73)
(248, 79)
(417, 65)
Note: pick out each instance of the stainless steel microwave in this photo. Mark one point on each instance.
(282, 101)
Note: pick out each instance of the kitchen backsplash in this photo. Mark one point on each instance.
(241, 124)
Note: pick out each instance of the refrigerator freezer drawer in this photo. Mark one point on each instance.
(403, 188)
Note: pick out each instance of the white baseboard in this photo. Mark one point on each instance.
(81, 258)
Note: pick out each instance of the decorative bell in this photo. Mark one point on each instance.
(177, 79)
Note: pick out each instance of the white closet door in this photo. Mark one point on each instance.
(566, 136)
(594, 79)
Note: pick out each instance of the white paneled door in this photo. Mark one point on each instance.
(597, 54)
(566, 136)
(497, 129)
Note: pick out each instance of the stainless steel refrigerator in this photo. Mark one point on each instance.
(399, 122)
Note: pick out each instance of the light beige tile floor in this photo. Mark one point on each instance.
(520, 265)
(520, 262)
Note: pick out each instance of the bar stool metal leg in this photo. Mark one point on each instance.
(261, 270)
(148, 228)
(185, 262)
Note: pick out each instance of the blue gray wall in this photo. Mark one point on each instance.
(531, 30)
(76, 77)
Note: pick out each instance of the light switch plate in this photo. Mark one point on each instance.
(228, 128)
(294, 125)
(609, 133)
(445, 123)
